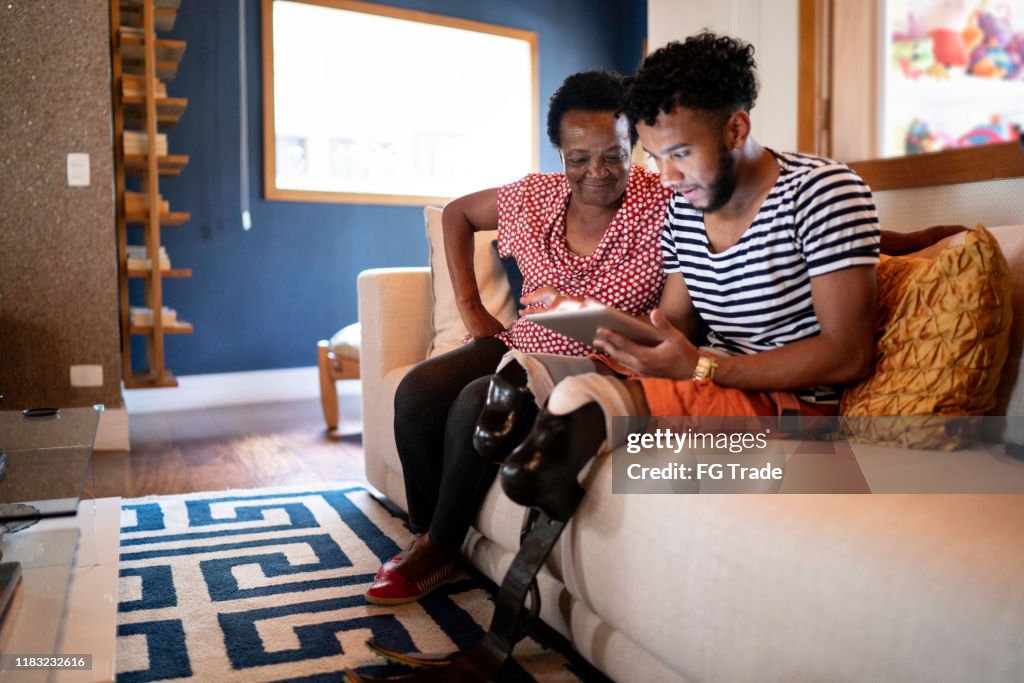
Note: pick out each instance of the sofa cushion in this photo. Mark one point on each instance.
(490, 276)
(804, 587)
(944, 324)
(390, 384)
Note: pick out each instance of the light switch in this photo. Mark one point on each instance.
(87, 375)
(78, 169)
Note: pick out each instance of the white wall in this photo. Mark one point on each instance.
(770, 26)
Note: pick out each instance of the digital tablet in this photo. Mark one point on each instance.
(581, 324)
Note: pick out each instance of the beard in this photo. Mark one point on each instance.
(722, 187)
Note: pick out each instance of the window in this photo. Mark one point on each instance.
(371, 104)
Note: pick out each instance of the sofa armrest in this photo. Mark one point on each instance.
(395, 309)
(395, 313)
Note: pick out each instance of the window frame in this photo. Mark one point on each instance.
(270, 189)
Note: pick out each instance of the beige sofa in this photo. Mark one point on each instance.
(760, 587)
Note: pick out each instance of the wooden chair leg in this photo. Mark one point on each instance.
(328, 392)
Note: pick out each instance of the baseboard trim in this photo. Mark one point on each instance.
(233, 388)
(112, 431)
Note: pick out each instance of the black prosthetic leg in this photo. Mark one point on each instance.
(542, 473)
(507, 414)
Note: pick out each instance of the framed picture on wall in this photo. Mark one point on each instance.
(953, 74)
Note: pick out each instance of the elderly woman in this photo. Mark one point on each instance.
(590, 232)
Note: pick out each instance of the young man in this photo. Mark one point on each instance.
(774, 252)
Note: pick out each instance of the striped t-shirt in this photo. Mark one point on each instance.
(756, 295)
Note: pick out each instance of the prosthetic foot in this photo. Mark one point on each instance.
(507, 414)
(542, 472)
(563, 445)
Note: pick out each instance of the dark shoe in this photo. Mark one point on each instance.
(542, 471)
(504, 420)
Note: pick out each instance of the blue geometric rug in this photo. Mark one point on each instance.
(267, 585)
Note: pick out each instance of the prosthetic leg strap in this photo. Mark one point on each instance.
(529, 519)
(482, 662)
(509, 606)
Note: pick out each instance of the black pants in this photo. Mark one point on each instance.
(436, 406)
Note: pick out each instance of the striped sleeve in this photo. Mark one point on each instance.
(669, 251)
(835, 220)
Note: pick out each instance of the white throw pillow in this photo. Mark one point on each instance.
(490, 277)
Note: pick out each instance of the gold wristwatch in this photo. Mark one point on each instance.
(705, 370)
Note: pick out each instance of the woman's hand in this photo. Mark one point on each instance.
(480, 323)
(549, 298)
(674, 358)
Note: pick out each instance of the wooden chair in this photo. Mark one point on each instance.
(337, 358)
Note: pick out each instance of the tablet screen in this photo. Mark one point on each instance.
(581, 324)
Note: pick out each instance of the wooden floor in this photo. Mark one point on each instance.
(236, 447)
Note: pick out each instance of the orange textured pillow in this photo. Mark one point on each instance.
(943, 328)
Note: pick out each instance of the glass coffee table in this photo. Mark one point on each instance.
(45, 460)
(55, 546)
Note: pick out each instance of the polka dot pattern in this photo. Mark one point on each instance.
(625, 271)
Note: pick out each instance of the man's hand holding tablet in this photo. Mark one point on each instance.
(649, 349)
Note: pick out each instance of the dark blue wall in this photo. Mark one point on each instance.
(260, 299)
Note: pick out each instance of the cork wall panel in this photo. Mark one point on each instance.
(58, 261)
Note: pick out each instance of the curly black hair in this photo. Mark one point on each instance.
(708, 72)
(590, 91)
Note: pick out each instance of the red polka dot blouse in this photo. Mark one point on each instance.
(625, 271)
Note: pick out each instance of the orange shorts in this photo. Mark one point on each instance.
(699, 399)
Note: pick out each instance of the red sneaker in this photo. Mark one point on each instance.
(391, 588)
